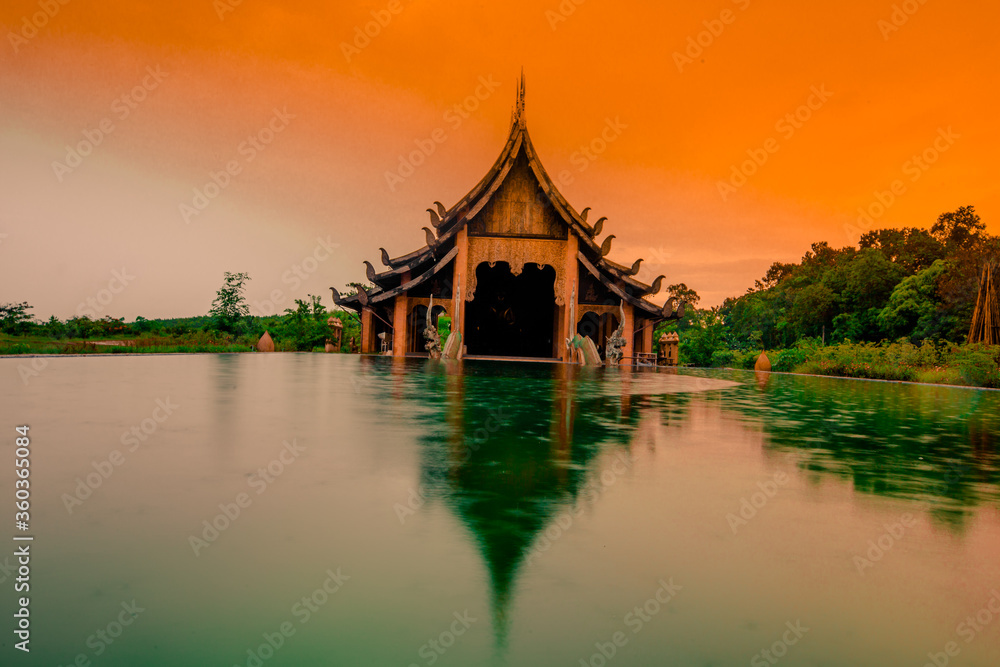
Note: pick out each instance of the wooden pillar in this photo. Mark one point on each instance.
(629, 330)
(367, 331)
(460, 277)
(400, 332)
(570, 297)
(647, 336)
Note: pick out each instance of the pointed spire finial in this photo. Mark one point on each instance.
(520, 99)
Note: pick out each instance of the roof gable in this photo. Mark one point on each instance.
(519, 207)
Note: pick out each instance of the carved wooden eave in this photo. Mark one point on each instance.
(440, 249)
(419, 280)
(650, 309)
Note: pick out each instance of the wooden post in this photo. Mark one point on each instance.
(400, 332)
(461, 278)
(571, 270)
(629, 330)
(367, 331)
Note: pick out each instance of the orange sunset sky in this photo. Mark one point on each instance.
(162, 95)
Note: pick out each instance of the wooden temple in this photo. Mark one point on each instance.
(518, 270)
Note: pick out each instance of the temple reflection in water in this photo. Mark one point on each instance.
(509, 452)
(509, 470)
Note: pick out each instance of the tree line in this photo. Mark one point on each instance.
(909, 284)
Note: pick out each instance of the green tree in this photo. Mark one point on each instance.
(870, 279)
(914, 249)
(15, 318)
(305, 325)
(914, 306)
(684, 293)
(812, 309)
(961, 228)
(702, 338)
(230, 310)
(54, 328)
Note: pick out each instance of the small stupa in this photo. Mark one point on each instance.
(763, 363)
(265, 344)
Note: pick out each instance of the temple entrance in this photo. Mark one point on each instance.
(512, 316)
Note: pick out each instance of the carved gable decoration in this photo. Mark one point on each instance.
(519, 209)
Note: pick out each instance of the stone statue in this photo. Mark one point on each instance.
(431, 335)
(616, 341)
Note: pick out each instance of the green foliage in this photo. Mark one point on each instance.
(898, 282)
(444, 328)
(913, 307)
(702, 333)
(15, 318)
(979, 365)
(305, 327)
(959, 229)
(230, 308)
(975, 365)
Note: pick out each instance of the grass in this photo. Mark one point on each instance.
(930, 362)
(187, 343)
(200, 342)
(936, 363)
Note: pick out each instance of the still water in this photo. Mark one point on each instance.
(296, 509)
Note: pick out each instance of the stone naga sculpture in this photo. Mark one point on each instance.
(616, 341)
(431, 335)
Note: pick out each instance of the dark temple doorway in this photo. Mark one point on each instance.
(512, 316)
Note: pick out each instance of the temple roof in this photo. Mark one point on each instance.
(446, 223)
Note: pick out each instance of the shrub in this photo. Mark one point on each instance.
(979, 365)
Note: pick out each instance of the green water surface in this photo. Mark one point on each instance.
(391, 512)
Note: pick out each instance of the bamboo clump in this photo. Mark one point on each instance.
(986, 318)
